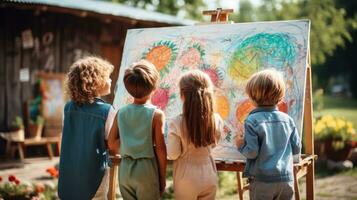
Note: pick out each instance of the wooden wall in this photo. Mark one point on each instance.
(59, 39)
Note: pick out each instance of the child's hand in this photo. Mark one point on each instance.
(239, 140)
(162, 187)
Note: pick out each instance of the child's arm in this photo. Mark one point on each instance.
(295, 141)
(160, 147)
(219, 126)
(250, 146)
(113, 138)
(173, 142)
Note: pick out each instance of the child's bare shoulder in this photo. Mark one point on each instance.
(159, 116)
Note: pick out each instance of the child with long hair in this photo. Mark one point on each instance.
(83, 172)
(191, 137)
(138, 131)
(270, 139)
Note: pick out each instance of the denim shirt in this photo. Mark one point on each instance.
(270, 141)
(84, 157)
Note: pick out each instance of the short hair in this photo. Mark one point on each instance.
(266, 88)
(141, 79)
(86, 77)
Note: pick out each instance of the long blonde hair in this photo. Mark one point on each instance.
(198, 114)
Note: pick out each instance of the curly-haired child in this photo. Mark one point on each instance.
(87, 120)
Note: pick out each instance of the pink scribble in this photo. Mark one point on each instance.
(160, 98)
(191, 58)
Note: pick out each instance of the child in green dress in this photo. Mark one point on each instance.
(138, 132)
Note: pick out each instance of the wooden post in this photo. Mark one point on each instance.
(113, 176)
(218, 15)
(309, 136)
(240, 185)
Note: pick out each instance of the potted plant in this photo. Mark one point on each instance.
(14, 189)
(17, 132)
(336, 136)
(35, 128)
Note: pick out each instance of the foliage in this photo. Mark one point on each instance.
(330, 27)
(15, 190)
(339, 107)
(339, 130)
(227, 183)
(40, 121)
(18, 123)
(192, 8)
(318, 100)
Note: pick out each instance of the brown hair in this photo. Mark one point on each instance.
(86, 77)
(198, 114)
(266, 88)
(141, 79)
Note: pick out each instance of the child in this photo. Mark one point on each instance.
(191, 137)
(87, 121)
(270, 140)
(139, 128)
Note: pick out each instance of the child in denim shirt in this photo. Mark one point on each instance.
(270, 140)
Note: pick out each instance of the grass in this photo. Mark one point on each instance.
(341, 107)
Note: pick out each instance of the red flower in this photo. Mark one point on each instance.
(52, 171)
(0, 178)
(17, 181)
(12, 178)
(39, 187)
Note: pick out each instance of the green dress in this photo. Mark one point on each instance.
(138, 172)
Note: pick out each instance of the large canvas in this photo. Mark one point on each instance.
(229, 54)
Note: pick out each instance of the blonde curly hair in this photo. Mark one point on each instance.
(85, 79)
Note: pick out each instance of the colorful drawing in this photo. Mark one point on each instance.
(215, 73)
(222, 105)
(192, 57)
(161, 54)
(229, 54)
(243, 109)
(160, 98)
(262, 50)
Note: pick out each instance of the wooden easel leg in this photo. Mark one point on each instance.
(296, 186)
(20, 148)
(310, 177)
(49, 150)
(113, 174)
(240, 185)
(309, 136)
(8, 149)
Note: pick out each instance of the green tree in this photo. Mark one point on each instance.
(330, 27)
(246, 12)
(190, 8)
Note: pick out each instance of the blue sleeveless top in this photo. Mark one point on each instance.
(84, 156)
(135, 129)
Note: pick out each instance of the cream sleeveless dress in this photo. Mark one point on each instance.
(194, 170)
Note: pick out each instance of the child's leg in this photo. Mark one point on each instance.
(127, 190)
(147, 174)
(262, 191)
(139, 179)
(286, 191)
(209, 194)
(102, 191)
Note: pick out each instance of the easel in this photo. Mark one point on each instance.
(306, 167)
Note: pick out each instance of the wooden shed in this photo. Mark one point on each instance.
(49, 35)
